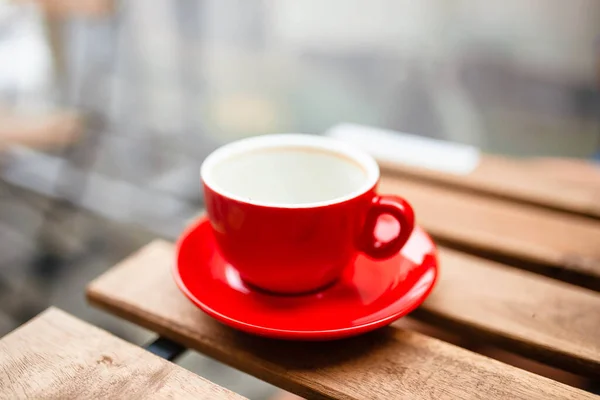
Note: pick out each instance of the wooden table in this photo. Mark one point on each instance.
(56, 356)
(520, 274)
(500, 230)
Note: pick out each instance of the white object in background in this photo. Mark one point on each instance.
(409, 149)
(26, 67)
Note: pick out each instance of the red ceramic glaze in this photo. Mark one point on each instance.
(369, 293)
(295, 250)
(297, 247)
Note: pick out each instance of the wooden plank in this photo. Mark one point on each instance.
(533, 181)
(567, 171)
(541, 318)
(56, 356)
(387, 363)
(563, 245)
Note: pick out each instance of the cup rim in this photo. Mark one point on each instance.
(366, 161)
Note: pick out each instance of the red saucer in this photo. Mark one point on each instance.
(369, 295)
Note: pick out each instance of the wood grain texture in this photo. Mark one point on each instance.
(562, 245)
(385, 364)
(56, 356)
(539, 317)
(530, 181)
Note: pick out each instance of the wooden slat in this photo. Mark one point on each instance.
(388, 363)
(568, 172)
(533, 181)
(539, 317)
(563, 245)
(56, 356)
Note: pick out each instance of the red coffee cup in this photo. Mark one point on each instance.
(291, 211)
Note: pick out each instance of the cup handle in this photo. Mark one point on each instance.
(398, 208)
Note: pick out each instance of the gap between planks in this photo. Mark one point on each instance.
(58, 356)
(426, 366)
(561, 245)
(564, 185)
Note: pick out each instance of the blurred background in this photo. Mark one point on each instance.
(107, 109)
